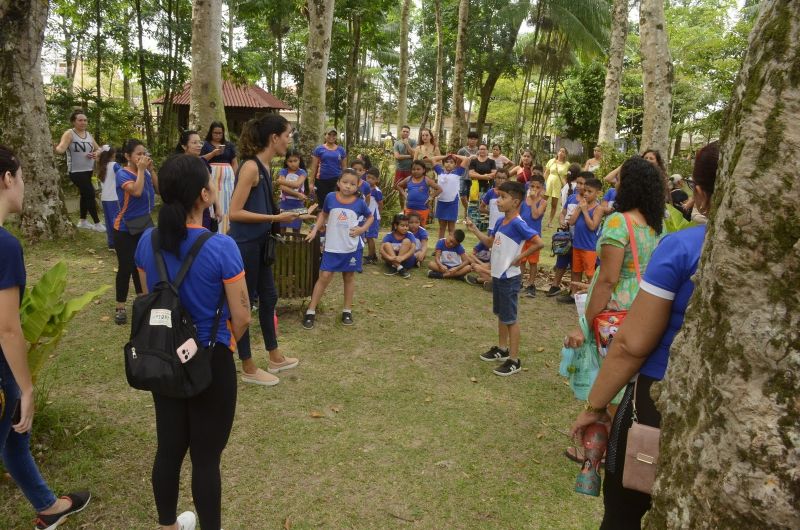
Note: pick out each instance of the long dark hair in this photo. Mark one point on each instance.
(659, 159)
(215, 125)
(295, 153)
(183, 141)
(641, 187)
(103, 160)
(705, 167)
(8, 161)
(256, 133)
(129, 146)
(180, 182)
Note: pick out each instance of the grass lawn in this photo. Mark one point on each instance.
(391, 423)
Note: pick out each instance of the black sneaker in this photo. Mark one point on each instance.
(405, 273)
(471, 279)
(553, 290)
(120, 317)
(308, 321)
(390, 270)
(530, 291)
(436, 275)
(347, 318)
(510, 367)
(487, 286)
(79, 501)
(495, 353)
(566, 299)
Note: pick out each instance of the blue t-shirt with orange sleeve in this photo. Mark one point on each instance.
(218, 263)
(131, 207)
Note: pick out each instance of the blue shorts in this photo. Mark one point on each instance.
(372, 231)
(335, 262)
(466, 185)
(447, 211)
(505, 295)
(563, 262)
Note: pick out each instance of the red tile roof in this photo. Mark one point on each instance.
(249, 96)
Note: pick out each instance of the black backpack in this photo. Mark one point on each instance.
(160, 330)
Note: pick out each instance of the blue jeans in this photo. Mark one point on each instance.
(16, 448)
(505, 295)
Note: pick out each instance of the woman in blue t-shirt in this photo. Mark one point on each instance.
(200, 424)
(252, 215)
(16, 387)
(642, 346)
(136, 192)
(327, 163)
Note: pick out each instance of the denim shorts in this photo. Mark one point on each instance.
(464, 189)
(505, 295)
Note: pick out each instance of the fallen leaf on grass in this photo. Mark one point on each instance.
(413, 358)
(97, 302)
(105, 318)
(535, 461)
(473, 379)
(427, 285)
(83, 430)
(287, 524)
(525, 369)
(335, 409)
(428, 399)
(540, 350)
(316, 414)
(539, 436)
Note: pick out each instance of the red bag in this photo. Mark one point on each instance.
(606, 324)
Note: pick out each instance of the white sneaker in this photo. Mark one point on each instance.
(83, 223)
(99, 226)
(187, 521)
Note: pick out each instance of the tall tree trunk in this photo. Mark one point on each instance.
(318, 50)
(457, 136)
(206, 104)
(616, 52)
(166, 125)
(730, 402)
(486, 95)
(438, 117)
(352, 118)
(279, 68)
(148, 122)
(98, 66)
(402, 85)
(24, 125)
(657, 76)
(126, 59)
(231, 20)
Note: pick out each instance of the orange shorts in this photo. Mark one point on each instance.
(533, 259)
(584, 261)
(423, 215)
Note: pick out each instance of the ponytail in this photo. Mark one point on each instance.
(181, 181)
(257, 133)
(8, 161)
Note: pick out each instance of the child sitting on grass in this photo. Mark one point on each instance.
(421, 236)
(448, 259)
(480, 259)
(449, 179)
(510, 234)
(340, 215)
(586, 220)
(397, 248)
(416, 190)
(532, 212)
(375, 205)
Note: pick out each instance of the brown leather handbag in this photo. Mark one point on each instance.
(641, 454)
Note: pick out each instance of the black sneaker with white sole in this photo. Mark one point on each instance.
(78, 502)
(390, 270)
(530, 291)
(347, 318)
(495, 353)
(471, 279)
(553, 291)
(435, 275)
(405, 273)
(308, 321)
(510, 367)
(566, 299)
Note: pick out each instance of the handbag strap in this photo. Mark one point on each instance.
(634, 249)
(634, 418)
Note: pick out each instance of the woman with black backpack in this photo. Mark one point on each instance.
(202, 423)
(254, 218)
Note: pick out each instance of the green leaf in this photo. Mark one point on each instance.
(675, 220)
(76, 304)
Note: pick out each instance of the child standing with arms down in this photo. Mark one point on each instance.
(488, 202)
(343, 248)
(449, 258)
(584, 243)
(532, 212)
(375, 203)
(397, 248)
(292, 182)
(449, 177)
(421, 236)
(510, 234)
(416, 190)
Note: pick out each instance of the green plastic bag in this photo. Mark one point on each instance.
(585, 364)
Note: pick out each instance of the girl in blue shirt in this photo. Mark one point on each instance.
(341, 215)
(642, 346)
(397, 248)
(416, 189)
(292, 182)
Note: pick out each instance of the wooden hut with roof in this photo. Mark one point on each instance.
(242, 102)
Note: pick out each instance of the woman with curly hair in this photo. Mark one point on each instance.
(640, 200)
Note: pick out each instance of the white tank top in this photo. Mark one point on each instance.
(77, 161)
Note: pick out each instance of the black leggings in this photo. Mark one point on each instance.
(259, 282)
(88, 204)
(324, 187)
(625, 508)
(202, 425)
(125, 246)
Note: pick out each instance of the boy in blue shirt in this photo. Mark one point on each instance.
(532, 212)
(510, 235)
(586, 220)
(449, 258)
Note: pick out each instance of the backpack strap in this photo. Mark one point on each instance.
(189, 259)
(161, 265)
